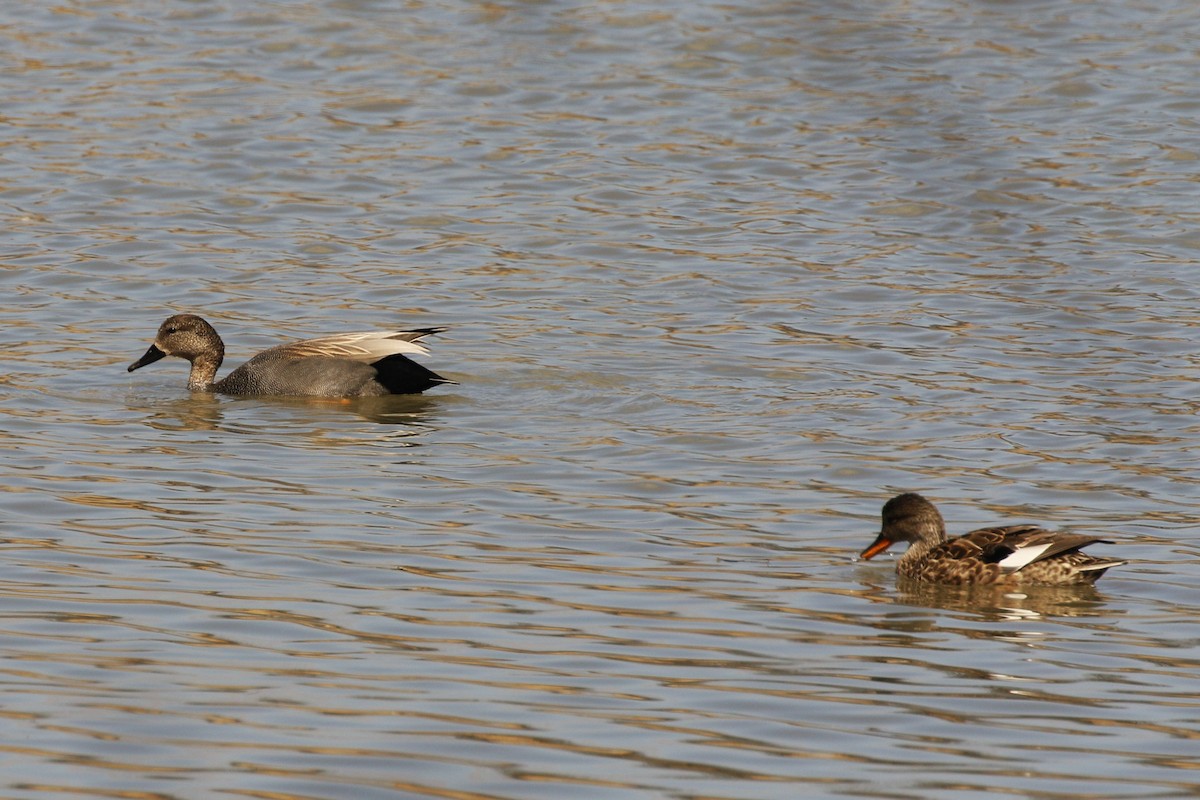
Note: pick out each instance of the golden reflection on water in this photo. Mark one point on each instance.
(998, 603)
(720, 278)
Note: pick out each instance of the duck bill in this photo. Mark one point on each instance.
(152, 355)
(880, 544)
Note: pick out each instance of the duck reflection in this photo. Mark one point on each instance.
(199, 411)
(1006, 603)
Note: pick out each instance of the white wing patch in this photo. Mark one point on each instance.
(1024, 555)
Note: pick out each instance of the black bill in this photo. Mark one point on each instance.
(152, 355)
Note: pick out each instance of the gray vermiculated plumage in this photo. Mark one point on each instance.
(364, 364)
(1013, 554)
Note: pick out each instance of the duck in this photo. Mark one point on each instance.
(1010, 555)
(365, 364)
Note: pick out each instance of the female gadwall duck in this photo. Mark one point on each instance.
(1015, 554)
(346, 365)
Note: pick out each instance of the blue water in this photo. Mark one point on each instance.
(718, 279)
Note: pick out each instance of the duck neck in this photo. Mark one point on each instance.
(204, 370)
(917, 550)
(933, 533)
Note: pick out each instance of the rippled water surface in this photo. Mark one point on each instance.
(718, 278)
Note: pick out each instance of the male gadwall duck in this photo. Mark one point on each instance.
(345, 365)
(1011, 555)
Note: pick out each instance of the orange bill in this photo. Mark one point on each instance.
(880, 544)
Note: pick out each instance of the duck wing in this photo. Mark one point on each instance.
(365, 346)
(1015, 547)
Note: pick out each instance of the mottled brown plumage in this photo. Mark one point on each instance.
(1014, 554)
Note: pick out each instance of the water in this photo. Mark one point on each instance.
(719, 280)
